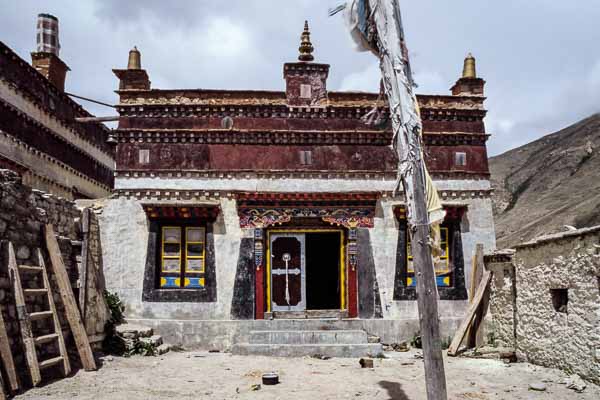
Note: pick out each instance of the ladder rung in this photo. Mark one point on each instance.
(50, 362)
(35, 292)
(46, 338)
(40, 315)
(29, 269)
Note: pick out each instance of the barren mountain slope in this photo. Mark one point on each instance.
(546, 184)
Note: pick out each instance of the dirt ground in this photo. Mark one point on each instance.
(201, 375)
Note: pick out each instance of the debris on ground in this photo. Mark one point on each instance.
(574, 382)
(366, 363)
(537, 386)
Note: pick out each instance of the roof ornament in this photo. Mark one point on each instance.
(306, 48)
(469, 70)
(135, 59)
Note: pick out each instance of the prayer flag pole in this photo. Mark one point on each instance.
(407, 127)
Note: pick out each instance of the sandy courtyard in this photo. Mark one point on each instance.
(201, 375)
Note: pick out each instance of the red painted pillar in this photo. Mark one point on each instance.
(352, 291)
(260, 293)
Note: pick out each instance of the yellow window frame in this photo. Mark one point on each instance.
(162, 250)
(202, 257)
(444, 233)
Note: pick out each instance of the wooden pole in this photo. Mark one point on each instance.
(398, 84)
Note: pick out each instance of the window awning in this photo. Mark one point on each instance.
(160, 211)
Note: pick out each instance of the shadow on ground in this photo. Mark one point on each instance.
(394, 390)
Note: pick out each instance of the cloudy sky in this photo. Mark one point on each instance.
(541, 58)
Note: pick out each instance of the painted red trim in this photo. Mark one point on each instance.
(260, 294)
(352, 291)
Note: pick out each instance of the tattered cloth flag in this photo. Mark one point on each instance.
(360, 23)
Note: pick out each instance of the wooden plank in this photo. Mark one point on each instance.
(7, 357)
(62, 348)
(23, 316)
(83, 272)
(473, 338)
(462, 330)
(69, 302)
(29, 269)
(2, 393)
(40, 315)
(51, 362)
(45, 338)
(477, 270)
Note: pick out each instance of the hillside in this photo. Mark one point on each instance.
(547, 184)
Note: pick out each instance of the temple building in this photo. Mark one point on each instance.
(39, 136)
(235, 209)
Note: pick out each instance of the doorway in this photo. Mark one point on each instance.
(306, 270)
(322, 271)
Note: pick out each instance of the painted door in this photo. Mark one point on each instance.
(288, 272)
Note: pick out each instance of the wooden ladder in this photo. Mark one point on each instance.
(25, 318)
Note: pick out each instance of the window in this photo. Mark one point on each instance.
(441, 263)
(449, 264)
(305, 157)
(305, 91)
(560, 299)
(144, 156)
(460, 159)
(182, 257)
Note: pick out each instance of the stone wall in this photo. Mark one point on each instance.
(557, 302)
(125, 231)
(23, 214)
(502, 303)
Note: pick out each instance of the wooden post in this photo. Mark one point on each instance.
(68, 298)
(473, 307)
(83, 273)
(7, 358)
(406, 121)
(474, 338)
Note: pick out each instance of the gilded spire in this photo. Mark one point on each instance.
(469, 70)
(135, 59)
(306, 47)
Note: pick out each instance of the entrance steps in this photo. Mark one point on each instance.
(299, 343)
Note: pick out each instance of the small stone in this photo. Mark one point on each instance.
(574, 382)
(163, 348)
(23, 253)
(108, 358)
(374, 339)
(366, 363)
(537, 386)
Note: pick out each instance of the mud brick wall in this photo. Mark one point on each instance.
(23, 215)
(501, 330)
(556, 300)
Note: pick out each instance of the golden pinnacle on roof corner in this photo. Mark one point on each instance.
(306, 48)
(135, 59)
(469, 69)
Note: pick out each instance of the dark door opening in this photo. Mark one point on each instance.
(323, 271)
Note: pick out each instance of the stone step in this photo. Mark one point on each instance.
(308, 337)
(154, 340)
(132, 331)
(301, 350)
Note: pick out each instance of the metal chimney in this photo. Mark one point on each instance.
(47, 34)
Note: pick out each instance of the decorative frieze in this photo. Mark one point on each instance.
(264, 136)
(203, 195)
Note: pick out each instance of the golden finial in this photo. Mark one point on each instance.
(135, 59)
(306, 47)
(469, 70)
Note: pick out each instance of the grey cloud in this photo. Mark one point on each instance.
(538, 56)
